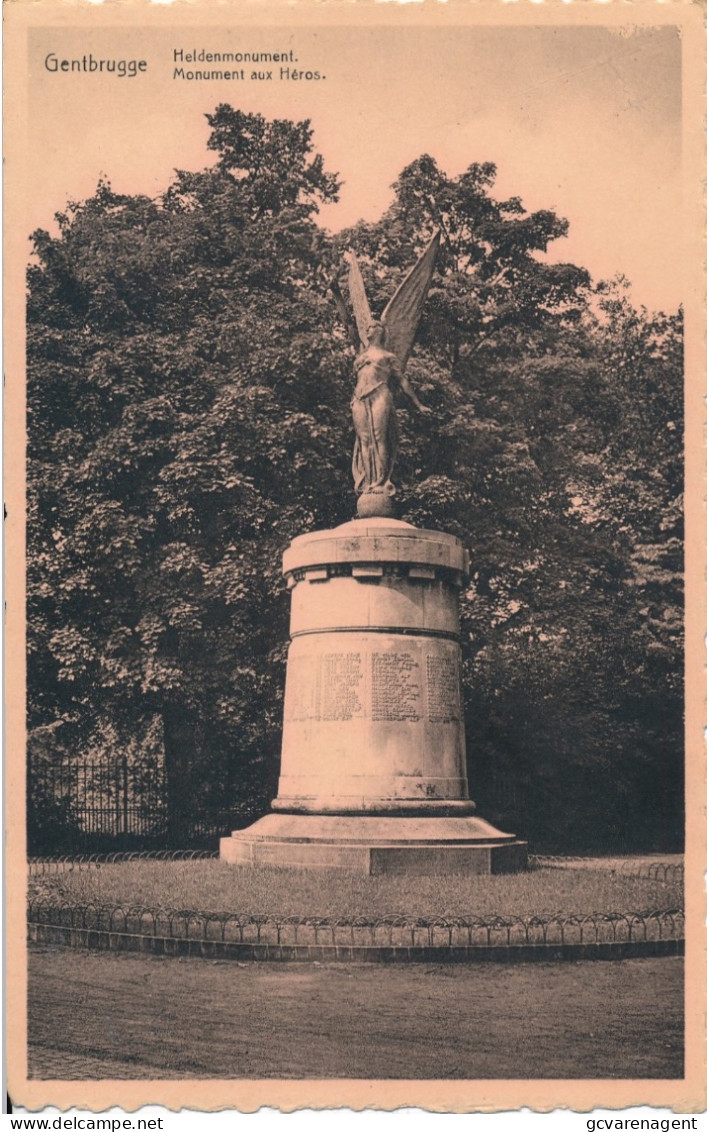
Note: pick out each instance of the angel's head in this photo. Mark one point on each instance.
(376, 334)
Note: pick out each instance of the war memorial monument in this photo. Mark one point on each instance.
(373, 771)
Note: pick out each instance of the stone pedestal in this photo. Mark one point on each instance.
(373, 771)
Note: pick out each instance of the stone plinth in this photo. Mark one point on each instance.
(373, 773)
(376, 845)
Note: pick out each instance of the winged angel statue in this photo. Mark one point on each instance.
(379, 370)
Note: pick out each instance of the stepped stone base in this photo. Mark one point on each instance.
(412, 846)
(373, 770)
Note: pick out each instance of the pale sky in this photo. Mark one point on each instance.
(583, 120)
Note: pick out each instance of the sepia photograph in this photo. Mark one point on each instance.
(346, 460)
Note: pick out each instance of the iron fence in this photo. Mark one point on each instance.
(102, 796)
(43, 866)
(671, 872)
(384, 932)
(99, 803)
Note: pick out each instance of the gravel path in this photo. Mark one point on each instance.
(131, 1016)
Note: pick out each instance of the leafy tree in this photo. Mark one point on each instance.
(182, 404)
(188, 397)
(555, 454)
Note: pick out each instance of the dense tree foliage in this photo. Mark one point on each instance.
(188, 395)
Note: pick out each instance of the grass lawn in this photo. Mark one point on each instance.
(212, 886)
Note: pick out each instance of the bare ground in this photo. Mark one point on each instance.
(130, 1016)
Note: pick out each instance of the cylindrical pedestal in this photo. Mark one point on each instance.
(373, 721)
(373, 715)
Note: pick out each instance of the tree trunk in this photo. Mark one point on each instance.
(182, 748)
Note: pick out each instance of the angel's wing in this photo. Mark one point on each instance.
(359, 299)
(402, 314)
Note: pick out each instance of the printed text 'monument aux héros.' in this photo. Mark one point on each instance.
(203, 56)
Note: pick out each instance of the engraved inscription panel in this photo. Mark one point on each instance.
(414, 684)
(327, 686)
(443, 704)
(396, 690)
(300, 689)
(340, 679)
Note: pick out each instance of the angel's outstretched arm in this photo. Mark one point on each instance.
(406, 388)
(409, 392)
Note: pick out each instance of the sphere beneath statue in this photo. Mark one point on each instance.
(375, 504)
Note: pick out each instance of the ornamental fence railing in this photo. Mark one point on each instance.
(670, 872)
(383, 932)
(46, 866)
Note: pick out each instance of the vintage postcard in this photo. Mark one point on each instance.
(354, 376)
